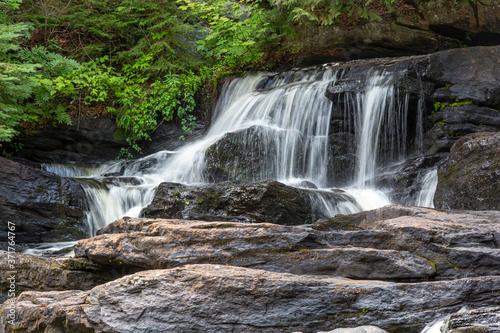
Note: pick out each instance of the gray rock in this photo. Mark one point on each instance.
(268, 201)
(41, 206)
(360, 329)
(212, 298)
(457, 243)
(469, 178)
(147, 244)
(42, 274)
(482, 320)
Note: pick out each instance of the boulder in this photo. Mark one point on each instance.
(148, 243)
(454, 122)
(33, 273)
(391, 243)
(268, 201)
(485, 320)
(213, 298)
(456, 243)
(40, 206)
(469, 178)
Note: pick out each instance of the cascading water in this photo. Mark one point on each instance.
(429, 184)
(286, 118)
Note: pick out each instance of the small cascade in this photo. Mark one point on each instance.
(429, 183)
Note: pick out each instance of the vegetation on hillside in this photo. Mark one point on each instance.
(141, 62)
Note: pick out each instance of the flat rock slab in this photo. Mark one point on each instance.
(390, 243)
(42, 274)
(458, 243)
(158, 243)
(213, 298)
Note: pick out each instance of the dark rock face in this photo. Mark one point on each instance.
(469, 178)
(449, 94)
(407, 183)
(361, 329)
(43, 206)
(87, 140)
(421, 27)
(452, 123)
(242, 155)
(216, 298)
(268, 201)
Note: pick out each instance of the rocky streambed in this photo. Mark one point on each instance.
(396, 267)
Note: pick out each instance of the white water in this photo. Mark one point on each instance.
(429, 184)
(290, 117)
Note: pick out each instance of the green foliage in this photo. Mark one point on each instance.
(25, 81)
(236, 33)
(328, 12)
(15, 82)
(438, 106)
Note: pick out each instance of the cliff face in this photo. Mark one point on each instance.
(416, 27)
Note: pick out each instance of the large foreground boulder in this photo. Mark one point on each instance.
(391, 243)
(39, 206)
(469, 178)
(148, 243)
(212, 298)
(268, 201)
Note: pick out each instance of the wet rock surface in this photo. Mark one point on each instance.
(34, 273)
(361, 329)
(217, 298)
(261, 277)
(268, 201)
(469, 178)
(147, 243)
(456, 243)
(485, 320)
(391, 243)
(41, 206)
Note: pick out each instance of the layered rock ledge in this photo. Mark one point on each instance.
(390, 243)
(216, 298)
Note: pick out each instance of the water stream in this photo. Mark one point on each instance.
(289, 116)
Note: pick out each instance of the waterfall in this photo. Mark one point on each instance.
(429, 184)
(284, 122)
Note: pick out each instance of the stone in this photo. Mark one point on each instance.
(33, 273)
(156, 243)
(486, 320)
(456, 243)
(41, 206)
(454, 122)
(469, 178)
(87, 140)
(414, 28)
(217, 298)
(268, 201)
(360, 329)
